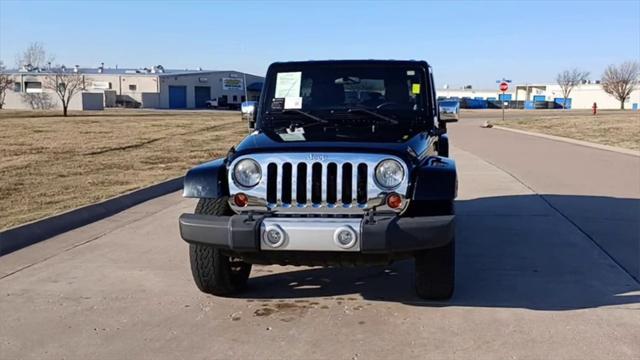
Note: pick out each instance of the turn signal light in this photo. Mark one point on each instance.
(240, 199)
(394, 201)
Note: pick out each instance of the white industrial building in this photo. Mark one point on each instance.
(152, 87)
(582, 96)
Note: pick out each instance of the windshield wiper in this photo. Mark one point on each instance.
(293, 124)
(373, 113)
(304, 113)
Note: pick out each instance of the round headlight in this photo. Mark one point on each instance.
(247, 173)
(389, 173)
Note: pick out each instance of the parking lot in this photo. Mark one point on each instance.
(547, 252)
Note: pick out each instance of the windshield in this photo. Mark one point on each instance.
(333, 91)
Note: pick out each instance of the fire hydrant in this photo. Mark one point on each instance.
(595, 108)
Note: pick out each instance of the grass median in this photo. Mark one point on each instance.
(50, 164)
(608, 127)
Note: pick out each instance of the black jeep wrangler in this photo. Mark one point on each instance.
(347, 165)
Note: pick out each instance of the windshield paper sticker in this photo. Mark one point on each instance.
(415, 88)
(288, 84)
(294, 102)
(294, 136)
(277, 104)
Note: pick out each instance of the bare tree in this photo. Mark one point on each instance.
(64, 85)
(568, 80)
(5, 83)
(621, 80)
(38, 101)
(35, 55)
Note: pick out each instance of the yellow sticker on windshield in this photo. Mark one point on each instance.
(415, 88)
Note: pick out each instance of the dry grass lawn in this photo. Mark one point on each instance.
(49, 164)
(609, 127)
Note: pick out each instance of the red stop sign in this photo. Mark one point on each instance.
(504, 86)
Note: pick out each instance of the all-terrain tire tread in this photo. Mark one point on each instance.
(211, 269)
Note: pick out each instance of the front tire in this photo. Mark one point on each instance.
(214, 272)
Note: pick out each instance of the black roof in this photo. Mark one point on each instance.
(352, 62)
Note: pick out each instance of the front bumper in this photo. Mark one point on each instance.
(382, 234)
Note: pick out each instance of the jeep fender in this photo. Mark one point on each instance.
(436, 179)
(208, 180)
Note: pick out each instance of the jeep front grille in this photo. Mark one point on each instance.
(292, 182)
(316, 184)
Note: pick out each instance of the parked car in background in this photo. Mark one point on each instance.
(222, 102)
(247, 108)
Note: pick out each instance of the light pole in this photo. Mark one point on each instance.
(244, 81)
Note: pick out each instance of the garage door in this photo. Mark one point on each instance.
(203, 93)
(177, 97)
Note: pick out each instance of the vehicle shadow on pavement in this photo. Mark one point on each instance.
(549, 252)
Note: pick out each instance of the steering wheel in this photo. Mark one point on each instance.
(387, 103)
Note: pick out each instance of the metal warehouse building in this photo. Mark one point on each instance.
(152, 87)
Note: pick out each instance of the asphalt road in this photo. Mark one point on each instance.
(533, 280)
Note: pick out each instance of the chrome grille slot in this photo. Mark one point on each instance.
(286, 184)
(332, 194)
(301, 180)
(304, 183)
(272, 186)
(347, 187)
(316, 184)
(361, 189)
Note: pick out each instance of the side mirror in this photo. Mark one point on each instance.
(247, 110)
(449, 111)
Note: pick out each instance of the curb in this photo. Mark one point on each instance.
(24, 235)
(573, 141)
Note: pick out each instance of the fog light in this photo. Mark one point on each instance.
(394, 201)
(240, 199)
(274, 236)
(345, 237)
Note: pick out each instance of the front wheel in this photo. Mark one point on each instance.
(435, 272)
(213, 271)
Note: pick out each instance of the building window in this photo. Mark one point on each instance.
(133, 87)
(235, 98)
(17, 87)
(243, 99)
(33, 87)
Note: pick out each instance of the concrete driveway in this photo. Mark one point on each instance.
(533, 281)
(598, 191)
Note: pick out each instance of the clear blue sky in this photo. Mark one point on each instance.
(467, 42)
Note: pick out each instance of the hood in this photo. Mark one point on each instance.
(259, 142)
